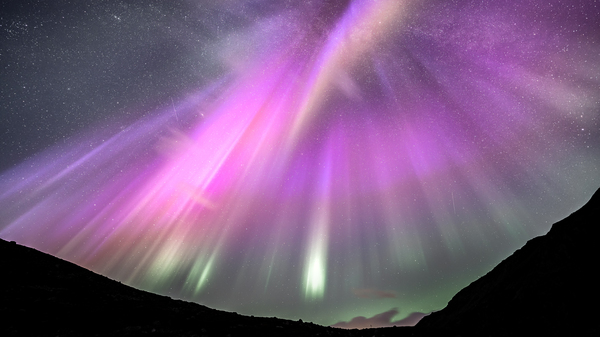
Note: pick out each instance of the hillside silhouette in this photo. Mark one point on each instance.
(548, 287)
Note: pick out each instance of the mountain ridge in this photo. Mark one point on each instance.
(551, 270)
(545, 287)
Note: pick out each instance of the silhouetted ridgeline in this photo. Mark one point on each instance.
(44, 295)
(548, 287)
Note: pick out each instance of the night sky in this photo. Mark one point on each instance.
(319, 160)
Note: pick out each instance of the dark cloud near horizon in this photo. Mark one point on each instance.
(383, 319)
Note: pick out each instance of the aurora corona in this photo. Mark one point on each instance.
(354, 158)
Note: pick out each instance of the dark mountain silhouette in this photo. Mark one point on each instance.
(42, 295)
(548, 287)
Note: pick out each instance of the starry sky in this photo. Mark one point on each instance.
(342, 162)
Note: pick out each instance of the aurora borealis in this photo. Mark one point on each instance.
(315, 160)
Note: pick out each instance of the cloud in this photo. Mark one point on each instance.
(373, 293)
(380, 320)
